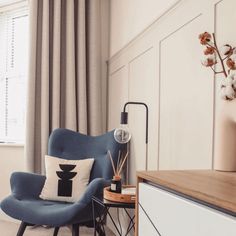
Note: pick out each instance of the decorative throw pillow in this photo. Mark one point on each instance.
(66, 180)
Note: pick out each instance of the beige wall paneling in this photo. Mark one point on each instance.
(186, 98)
(141, 61)
(118, 95)
(130, 17)
(164, 62)
(225, 17)
(143, 87)
(137, 70)
(169, 52)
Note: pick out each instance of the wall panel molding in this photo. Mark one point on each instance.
(182, 118)
(142, 86)
(148, 28)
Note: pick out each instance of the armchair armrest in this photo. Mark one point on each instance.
(95, 188)
(26, 184)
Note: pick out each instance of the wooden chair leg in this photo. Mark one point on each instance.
(22, 228)
(75, 230)
(56, 230)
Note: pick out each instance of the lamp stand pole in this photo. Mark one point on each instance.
(124, 120)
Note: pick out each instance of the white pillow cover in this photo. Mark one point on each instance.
(66, 180)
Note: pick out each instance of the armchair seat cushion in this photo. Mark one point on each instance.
(43, 212)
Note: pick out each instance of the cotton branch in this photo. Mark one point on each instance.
(218, 53)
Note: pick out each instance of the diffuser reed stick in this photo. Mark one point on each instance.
(120, 163)
(123, 163)
(112, 162)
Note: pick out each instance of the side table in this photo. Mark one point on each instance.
(105, 206)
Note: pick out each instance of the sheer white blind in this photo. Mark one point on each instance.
(13, 74)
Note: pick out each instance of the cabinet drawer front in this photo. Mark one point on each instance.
(173, 215)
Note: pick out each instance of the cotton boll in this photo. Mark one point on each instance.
(211, 57)
(210, 60)
(225, 50)
(228, 81)
(204, 38)
(205, 62)
(223, 82)
(233, 77)
(231, 63)
(230, 93)
(234, 84)
(209, 50)
(210, 43)
(223, 93)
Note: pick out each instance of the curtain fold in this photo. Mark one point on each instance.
(65, 80)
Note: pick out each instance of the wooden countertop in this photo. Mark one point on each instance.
(213, 188)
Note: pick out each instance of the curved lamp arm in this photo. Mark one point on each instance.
(124, 115)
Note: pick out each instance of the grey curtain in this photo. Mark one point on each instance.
(65, 82)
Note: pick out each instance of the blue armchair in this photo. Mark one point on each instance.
(24, 203)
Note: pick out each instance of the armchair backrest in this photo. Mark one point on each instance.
(67, 144)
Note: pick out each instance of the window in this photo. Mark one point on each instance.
(13, 74)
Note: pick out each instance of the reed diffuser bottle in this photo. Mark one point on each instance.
(116, 182)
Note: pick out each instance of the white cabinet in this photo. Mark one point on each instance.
(166, 214)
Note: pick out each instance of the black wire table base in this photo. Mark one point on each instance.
(100, 215)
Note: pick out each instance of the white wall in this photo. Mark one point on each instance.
(131, 17)
(11, 159)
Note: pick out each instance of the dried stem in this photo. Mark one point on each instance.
(216, 72)
(226, 57)
(211, 46)
(218, 53)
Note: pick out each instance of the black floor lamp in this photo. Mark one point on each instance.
(123, 135)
